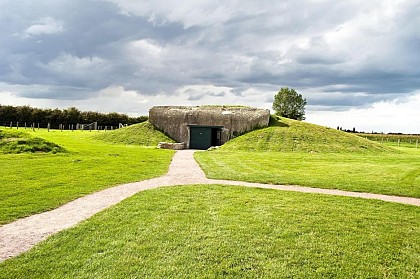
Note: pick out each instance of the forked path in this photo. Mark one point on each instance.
(21, 235)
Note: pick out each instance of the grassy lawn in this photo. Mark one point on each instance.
(215, 231)
(382, 173)
(36, 182)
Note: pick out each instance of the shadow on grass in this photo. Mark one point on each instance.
(275, 122)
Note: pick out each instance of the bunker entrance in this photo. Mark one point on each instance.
(203, 137)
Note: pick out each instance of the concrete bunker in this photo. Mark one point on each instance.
(200, 127)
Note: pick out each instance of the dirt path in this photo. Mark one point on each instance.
(21, 235)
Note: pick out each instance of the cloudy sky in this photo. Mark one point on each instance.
(356, 62)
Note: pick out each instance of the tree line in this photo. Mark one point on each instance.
(72, 115)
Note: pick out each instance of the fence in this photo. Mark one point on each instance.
(400, 140)
(69, 127)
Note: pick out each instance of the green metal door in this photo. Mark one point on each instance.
(200, 137)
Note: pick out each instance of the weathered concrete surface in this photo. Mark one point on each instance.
(171, 145)
(174, 120)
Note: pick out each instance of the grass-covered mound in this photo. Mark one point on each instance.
(139, 134)
(286, 135)
(207, 231)
(15, 142)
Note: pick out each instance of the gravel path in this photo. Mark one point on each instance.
(21, 235)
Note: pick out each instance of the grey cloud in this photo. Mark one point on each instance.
(59, 93)
(195, 96)
(318, 59)
(80, 47)
(347, 100)
(92, 29)
(313, 108)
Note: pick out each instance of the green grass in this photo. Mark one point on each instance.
(391, 174)
(33, 183)
(139, 134)
(297, 153)
(213, 231)
(15, 142)
(286, 135)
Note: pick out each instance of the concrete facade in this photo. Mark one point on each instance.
(177, 121)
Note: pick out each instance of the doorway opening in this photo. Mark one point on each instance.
(203, 137)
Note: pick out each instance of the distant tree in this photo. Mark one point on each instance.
(90, 116)
(24, 114)
(288, 103)
(40, 115)
(55, 116)
(71, 115)
(8, 113)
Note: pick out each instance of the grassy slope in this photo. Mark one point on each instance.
(15, 142)
(32, 183)
(140, 134)
(212, 231)
(288, 135)
(315, 156)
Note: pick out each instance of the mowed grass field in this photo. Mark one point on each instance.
(36, 182)
(297, 153)
(390, 174)
(211, 231)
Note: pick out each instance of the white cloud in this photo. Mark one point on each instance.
(385, 116)
(188, 13)
(144, 47)
(44, 26)
(372, 37)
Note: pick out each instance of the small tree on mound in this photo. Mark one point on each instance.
(288, 103)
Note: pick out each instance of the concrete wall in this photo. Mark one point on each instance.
(174, 120)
